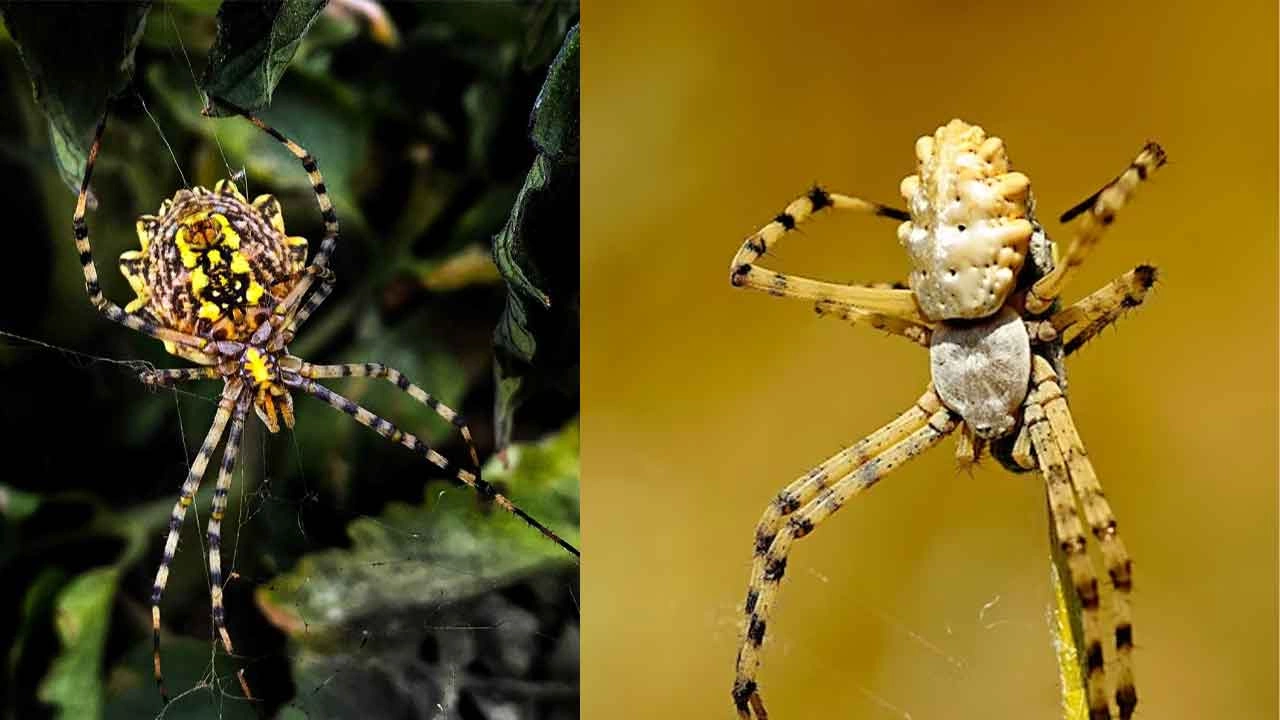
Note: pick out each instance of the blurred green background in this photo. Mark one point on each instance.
(927, 597)
(367, 585)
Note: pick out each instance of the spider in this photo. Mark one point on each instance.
(983, 297)
(221, 284)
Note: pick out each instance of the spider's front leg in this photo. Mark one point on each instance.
(894, 304)
(1082, 321)
(397, 378)
(1096, 213)
(1069, 477)
(813, 498)
(195, 346)
(319, 267)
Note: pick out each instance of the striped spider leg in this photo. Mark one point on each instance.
(1085, 319)
(1095, 213)
(983, 295)
(895, 304)
(804, 504)
(219, 281)
(1071, 482)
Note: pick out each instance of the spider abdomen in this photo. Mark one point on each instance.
(971, 221)
(212, 264)
(981, 370)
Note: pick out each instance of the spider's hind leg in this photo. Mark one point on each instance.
(389, 431)
(808, 501)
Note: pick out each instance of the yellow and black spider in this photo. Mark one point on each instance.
(222, 284)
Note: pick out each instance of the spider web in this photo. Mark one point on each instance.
(505, 644)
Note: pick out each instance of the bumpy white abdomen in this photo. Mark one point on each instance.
(971, 220)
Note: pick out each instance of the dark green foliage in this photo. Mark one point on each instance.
(255, 43)
(537, 338)
(76, 55)
(423, 137)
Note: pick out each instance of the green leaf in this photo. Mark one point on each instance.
(314, 112)
(82, 615)
(536, 339)
(255, 43)
(77, 55)
(448, 549)
(16, 505)
(554, 121)
(37, 608)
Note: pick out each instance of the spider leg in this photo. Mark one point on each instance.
(93, 288)
(913, 432)
(1089, 316)
(1096, 212)
(173, 376)
(316, 299)
(229, 454)
(1069, 531)
(804, 489)
(893, 303)
(390, 374)
(389, 431)
(1101, 521)
(230, 399)
(916, 333)
(320, 261)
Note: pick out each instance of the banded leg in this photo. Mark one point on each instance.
(916, 333)
(313, 303)
(1089, 316)
(1096, 213)
(93, 288)
(771, 562)
(395, 435)
(894, 303)
(1101, 521)
(805, 488)
(226, 405)
(321, 259)
(169, 377)
(390, 374)
(225, 471)
(1070, 533)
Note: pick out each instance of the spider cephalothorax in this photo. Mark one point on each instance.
(983, 297)
(218, 280)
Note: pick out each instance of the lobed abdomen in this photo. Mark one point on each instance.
(212, 264)
(971, 222)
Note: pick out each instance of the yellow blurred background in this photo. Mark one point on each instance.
(927, 597)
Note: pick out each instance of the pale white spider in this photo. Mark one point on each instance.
(983, 296)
